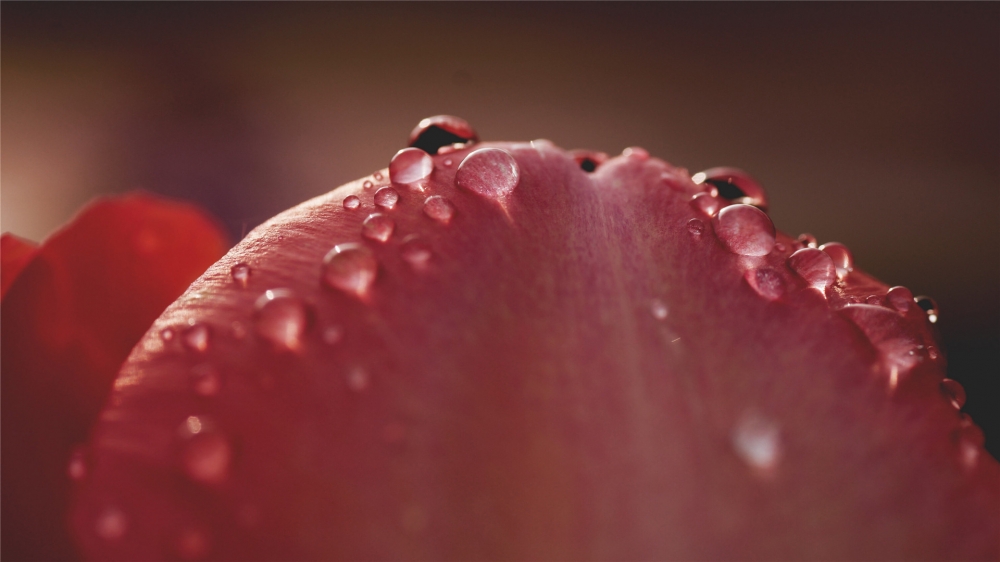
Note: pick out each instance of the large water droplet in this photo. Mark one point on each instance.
(439, 209)
(410, 166)
(415, 252)
(841, 256)
(815, 266)
(929, 306)
(900, 298)
(766, 281)
(350, 268)
(206, 457)
(77, 468)
(733, 185)
(658, 309)
(352, 202)
(745, 230)
(757, 441)
(111, 524)
(696, 227)
(807, 240)
(197, 337)
(435, 132)
(206, 380)
(386, 198)
(378, 227)
(953, 390)
(489, 172)
(705, 203)
(240, 274)
(282, 319)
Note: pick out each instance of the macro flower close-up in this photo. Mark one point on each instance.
(569, 282)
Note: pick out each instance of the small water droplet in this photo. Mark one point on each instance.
(490, 172)
(197, 337)
(350, 268)
(779, 247)
(111, 524)
(745, 230)
(448, 162)
(636, 153)
(167, 334)
(433, 133)
(386, 198)
(954, 391)
(241, 274)
(733, 184)
(333, 334)
(77, 468)
(900, 298)
(970, 442)
(357, 379)
(696, 227)
(842, 258)
(191, 544)
(807, 240)
(378, 176)
(766, 281)
(410, 166)
(378, 227)
(658, 309)
(874, 299)
(815, 266)
(206, 456)
(352, 202)
(705, 203)
(415, 252)
(439, 209)
(282, 319)
(758, 442)
(929, 306)
(206, 380)
(367, 185)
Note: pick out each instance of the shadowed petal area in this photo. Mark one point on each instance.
(81, 302)
(15, 253)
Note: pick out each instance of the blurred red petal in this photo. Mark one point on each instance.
(15, 253)
(82, 301)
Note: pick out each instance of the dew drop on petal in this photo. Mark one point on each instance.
(378, 227)
(206, 380)
(448, 163)
(206, 457)
(807, 240)
(970, 442)
(350, 268)
(636, 153)
(378, 176)
(705, 203)
(434, 133)
(281, 318)
(415, 252)
(439, 209)
(409, 166)
(386, 198)
(874, 300)
(333, 334)
(489, 172)
(367, 185)
(357, 379)
(352, 202)
(658, 309)
(696, 227)
(766, 281)
(167, 334)
(929, 306)
(815, 266)
(779, 247)
(953, 390)
(757, 441)
(900, 298)
(111, 524)
(842, 258)
(240, 274)
(745, 230)
(197, 337)
(77, 468)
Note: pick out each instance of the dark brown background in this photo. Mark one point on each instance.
(877, 125)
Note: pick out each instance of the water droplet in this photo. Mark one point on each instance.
(433, 133)
(696, 227)
(282, 319)
(333, 334)
(815, 266)
(448, 162)
(350, 268)
(439, 209)
(367, 185)
(206, 380)
(766, 281)
(745, 230)
(111, 524)
(658, 309)
(415, 252)
(970, 441)
(378, 227)
(378, 176)
(929, 306)
(898, 343)
(489, 172)
(409, 166)
(636, 153)
(874, 300)
(240, 274)
(705, 203)
(757, 441)
(206, 457)
(842, 258)
(352, 202)
(386, 198)
(953, 390)
(167, 334)
(197, 337)
(77, 468)
(779, 247)
(733, 185)
(357, 379)
(899, 298)
(191, 544)
(807, 240)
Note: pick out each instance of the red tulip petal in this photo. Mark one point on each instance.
(69, 321)
(570, 368)
(15, 253)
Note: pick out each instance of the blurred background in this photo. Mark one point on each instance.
(876, 125)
